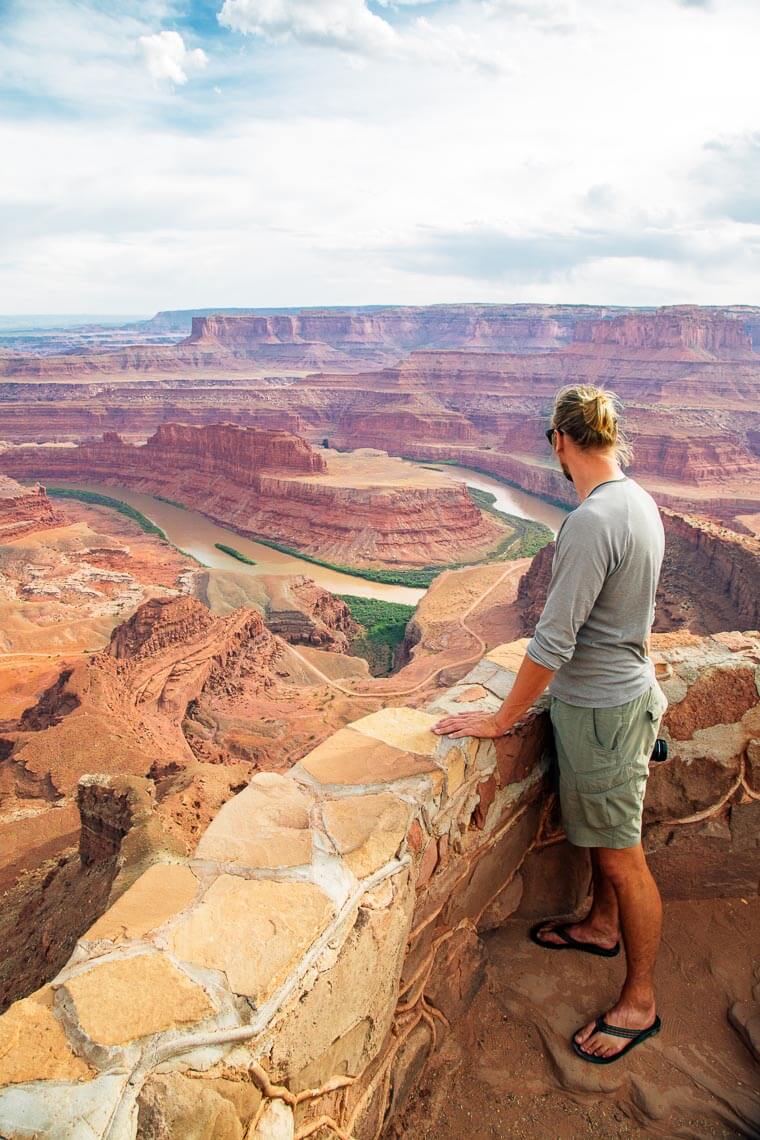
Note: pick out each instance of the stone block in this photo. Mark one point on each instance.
(556, 881)
(687, 784)
(720, 695)
(708, 859)
(486, 791)
(457, 973)
(346, 1056)
(354, 758)
(318, 1029)
(33, 1045)
(163, 890)
(518, 754)
(509, 656)
(491, 868)
(124, 999)
(265, 825)
(275, 1123)
(59, 1110)
(274, 923)
(408, 1065)
(503, 906)
(428, 864)
(367, 830)
(499, 681)
(745, 827)
(404, 728)
(464, 698)
(456, 763)
(173, 1106)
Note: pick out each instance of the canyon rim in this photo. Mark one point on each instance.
(287, 291)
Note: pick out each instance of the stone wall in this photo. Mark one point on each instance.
(292, 977)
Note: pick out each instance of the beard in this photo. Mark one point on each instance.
(566, 471)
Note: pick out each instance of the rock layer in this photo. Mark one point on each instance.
(24, 510)
(363, 510)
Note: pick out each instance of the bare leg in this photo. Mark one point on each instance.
(641, 923)
(602, 924)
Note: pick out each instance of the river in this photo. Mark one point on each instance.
(196, 534)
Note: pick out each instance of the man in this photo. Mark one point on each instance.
(591, 645)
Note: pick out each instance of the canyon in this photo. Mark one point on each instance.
(246, 892)
(362, 509)
(470, 384)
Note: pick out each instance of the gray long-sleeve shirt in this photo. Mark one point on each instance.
(600, 605)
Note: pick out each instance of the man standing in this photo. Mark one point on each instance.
(591, 646)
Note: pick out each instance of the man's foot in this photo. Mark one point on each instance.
(594, 1042)
(583, 931)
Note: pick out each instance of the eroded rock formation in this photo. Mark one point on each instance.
(326, 936)
(362, 510)
(24, 510)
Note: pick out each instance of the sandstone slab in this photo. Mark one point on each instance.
(503, 906)
(252, 930)
(265, 825)
(492, 869)
(172, 1106)
(366, 830)
(163, 890)
(67, 1111)
(555, 880)
(124, 999)
(509, 656)
(404, 728)
(351, 757)
(33, 1045)
(718, 696)
(491, 676)
(457, 973)
(344, 1018)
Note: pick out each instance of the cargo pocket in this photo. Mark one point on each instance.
(615, 806)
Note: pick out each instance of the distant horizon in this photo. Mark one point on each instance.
(87, 318)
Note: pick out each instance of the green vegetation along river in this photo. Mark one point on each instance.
(203, 539)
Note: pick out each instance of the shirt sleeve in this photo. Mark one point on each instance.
(582, 562)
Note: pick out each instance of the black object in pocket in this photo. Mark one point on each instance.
(660, 751)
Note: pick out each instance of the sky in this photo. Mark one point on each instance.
(161, 154)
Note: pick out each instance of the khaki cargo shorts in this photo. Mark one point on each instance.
(603, 756)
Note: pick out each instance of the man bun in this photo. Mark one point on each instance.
(590, 416)
(600, 414)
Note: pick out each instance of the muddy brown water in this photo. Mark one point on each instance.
(196, 534)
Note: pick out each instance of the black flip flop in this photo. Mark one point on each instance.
(570, 943)
(636, 1036)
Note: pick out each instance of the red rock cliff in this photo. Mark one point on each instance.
(237, 453)
(709, 579)
(353, 514)
(24, 510)
(678, 331)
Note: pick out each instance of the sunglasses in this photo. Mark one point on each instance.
(549, 433)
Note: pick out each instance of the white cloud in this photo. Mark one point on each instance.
(351, 27)
(166, 56)
(345, 24)
(580, 174)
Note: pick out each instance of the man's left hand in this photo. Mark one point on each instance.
(482, 725)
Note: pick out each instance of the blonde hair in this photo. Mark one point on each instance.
(589, 415)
